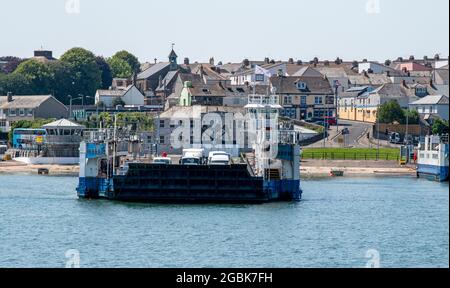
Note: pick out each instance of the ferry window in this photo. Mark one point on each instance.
(435, 156)
(240, 90)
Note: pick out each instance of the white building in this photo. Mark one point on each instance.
(131, 97)
(254, 77)
(376, 68)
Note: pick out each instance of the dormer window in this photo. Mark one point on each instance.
(421, 91)
(301, 85)
(259, 77)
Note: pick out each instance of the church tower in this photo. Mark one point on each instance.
(173, 60)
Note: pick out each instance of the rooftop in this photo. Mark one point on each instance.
(432, 100)
(154, 69)
(24, 101)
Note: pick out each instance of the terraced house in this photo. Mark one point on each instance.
(307, 96)
(364, 104)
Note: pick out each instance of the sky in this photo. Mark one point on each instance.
(228, 30)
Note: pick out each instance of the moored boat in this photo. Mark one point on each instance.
(433, 159)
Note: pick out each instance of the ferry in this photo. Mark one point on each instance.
(433, 158)
(270, 173)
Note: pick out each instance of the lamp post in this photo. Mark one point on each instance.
(70, 105)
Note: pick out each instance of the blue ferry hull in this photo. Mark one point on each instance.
(433, 172)
(189, 184)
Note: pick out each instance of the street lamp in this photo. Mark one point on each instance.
(70, 109)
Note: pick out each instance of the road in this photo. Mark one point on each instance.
(357, 131)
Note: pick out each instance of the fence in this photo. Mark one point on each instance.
(351, 156)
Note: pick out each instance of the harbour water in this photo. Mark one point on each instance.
(402, 222)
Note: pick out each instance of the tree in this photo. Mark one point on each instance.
(62, 81)
(86, 76)
(130, 59)
(440, 127)
(38, 76)
(138, 121)
(391, 112)
(106, 72)
(14, 83)
(118, 102)
(120, 68)
(412, 116)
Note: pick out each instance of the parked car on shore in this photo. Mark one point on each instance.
(394, 138)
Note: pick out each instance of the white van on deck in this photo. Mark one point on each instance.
(220, 160)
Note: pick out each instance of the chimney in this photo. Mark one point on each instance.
(388, 73)
(186, 61)
(280, 73)
(404, 83)
(211, 61)
(9, 97)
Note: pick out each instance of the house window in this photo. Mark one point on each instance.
(162, 140)
(161, 124)
(259, 78)
(318, 114)
(303, 100)
(2, 123)
(288, 100)
(6, 112)
(318, 100)
(301, 85)
(12, 112)
(290, 113)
